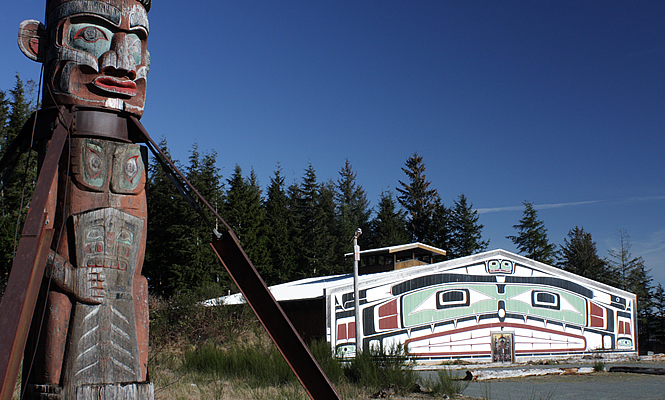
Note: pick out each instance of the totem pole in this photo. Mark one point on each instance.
(76, 276)
(89, 334)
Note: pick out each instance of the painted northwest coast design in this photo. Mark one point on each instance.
(494, 308)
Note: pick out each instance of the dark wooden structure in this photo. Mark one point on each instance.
(397, 257)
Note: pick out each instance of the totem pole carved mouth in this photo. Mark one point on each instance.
(115, 85)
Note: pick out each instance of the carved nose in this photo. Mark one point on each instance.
(118, 61)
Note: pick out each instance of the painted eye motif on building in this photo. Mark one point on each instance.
(452, 298)
(499, 267)
(544, 299)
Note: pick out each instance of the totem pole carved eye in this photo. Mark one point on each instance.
(90, 34)
(94, 163)
(131, 168)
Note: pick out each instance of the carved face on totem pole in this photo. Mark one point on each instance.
(94, 53)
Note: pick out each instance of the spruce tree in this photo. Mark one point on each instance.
(578, 255)
(441, 226)
(352, 208)
(313, 207)
(465, 231)
(245, 214)
(169, 225)
(277, 223)
(203, 174)
(417, 198)
(388, 227)
(531, 239)
(18, 188)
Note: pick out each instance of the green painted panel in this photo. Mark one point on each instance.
(484, 299)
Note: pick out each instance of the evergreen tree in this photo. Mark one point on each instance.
(441, 228)
(331, 259)
(417, 198)
(578, 255)
(657, 324)
(465, 231)
(203, 174)
(18, 188)
(277, 223)
(353, 210)
(632, 275)
(178, 255)
(312, 219)
(245, 214)
(168, 220)
(388, 228)
(532, 239)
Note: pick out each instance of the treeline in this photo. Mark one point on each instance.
(297, 230)
(303, 228)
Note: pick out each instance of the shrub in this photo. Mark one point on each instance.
(380, 368)
(446, 384)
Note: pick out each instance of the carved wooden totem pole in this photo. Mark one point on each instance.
(89, 335)
(76, 302)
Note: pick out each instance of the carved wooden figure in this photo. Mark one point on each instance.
(85, 231)
(89, 336)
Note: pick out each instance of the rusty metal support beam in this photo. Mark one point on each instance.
(20, 297)
(273, 318)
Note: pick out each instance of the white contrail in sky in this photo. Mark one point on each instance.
(569, 204)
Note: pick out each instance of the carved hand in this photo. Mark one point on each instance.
(87, 285)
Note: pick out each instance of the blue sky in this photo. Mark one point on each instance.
(560, 103)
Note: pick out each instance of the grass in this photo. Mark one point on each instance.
(380, 368)
(223, 353)
(598, 366)
(447, 384)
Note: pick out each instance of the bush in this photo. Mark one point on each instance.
(182, 320)
(446, 384)
(381, 368)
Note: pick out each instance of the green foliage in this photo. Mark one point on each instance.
(531, 239)
(381, 368)
(578, 255)
(388, 227)
(258, 365)
(631, 274)
(446, 384)
(18, 188)
(598, 366)
(352, 210)
(465, 231)
(440, 230)
(417, 198)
